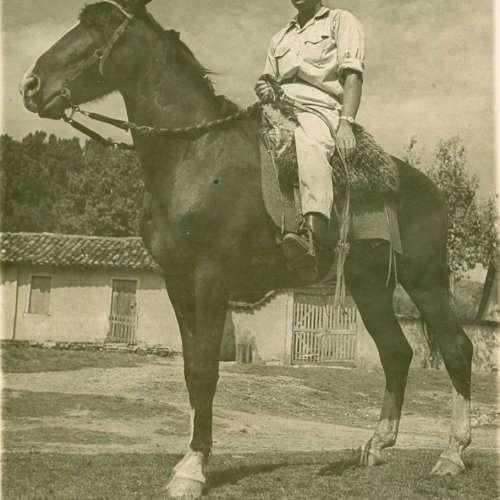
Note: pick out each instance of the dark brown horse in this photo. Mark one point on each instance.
(204, 220)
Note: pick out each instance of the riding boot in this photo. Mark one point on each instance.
(302, 250)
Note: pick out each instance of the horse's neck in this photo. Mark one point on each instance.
(166, 99)
(169, 99)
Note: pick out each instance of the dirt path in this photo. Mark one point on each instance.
(146, 431)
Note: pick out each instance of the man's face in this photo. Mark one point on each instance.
(305, 4)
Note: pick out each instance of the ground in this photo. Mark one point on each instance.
(280, 432)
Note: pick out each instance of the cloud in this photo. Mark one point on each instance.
(429, 64)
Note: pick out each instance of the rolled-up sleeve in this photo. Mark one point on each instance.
(270, 67)
(350, 40)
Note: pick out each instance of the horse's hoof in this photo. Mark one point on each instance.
(183, 488)
(370, 456)
(445, 467)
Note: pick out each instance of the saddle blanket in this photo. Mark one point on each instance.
(372, 216)
(370, 171)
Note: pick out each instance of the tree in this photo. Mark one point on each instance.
(106, 193)
(489, 242)
(472, 235)
(32, 178)
(55, 185)
(413, 153)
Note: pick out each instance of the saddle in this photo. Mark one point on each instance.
(370, 181)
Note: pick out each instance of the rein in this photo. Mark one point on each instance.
(192, 131)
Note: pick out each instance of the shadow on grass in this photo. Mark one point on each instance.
(219, 478)
(337, 468)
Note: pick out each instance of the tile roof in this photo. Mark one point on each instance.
(47, 249)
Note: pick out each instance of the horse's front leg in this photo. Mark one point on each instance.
(201, 312)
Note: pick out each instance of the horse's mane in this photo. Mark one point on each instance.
(176, 52)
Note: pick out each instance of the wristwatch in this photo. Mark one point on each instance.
(348, 119)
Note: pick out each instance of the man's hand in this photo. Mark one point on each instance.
(346, 140)
(264, 91)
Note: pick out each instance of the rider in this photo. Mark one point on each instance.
(318, 59)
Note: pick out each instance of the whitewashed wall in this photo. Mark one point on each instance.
(80, 304)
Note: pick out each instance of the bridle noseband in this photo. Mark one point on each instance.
(100, 55)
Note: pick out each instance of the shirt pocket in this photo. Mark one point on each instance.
(317, 46)
(285, 59)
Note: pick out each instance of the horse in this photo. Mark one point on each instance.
(204, 220)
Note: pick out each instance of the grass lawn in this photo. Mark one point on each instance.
(404, 475)
(350, 397)
(70, 413)
(24, 359)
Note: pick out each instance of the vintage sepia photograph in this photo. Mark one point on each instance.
(249, 249)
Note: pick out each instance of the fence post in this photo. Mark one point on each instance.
(287, 358)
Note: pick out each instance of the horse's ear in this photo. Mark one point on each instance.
(135, 5)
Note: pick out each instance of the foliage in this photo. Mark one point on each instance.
(413, 153)
(473, 224)
(56, 185)
(472, 235)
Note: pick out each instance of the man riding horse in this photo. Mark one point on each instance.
(318, 59)
(204, 218)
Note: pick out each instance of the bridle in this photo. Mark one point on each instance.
(100, 55)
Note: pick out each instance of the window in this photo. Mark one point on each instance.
(39, 295)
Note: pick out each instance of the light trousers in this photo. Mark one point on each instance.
(315, 146)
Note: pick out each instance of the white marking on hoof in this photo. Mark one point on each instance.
(370, 457)
(447, 467)
(188, 479)
(186, 489)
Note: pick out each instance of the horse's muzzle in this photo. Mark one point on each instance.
(30, 89)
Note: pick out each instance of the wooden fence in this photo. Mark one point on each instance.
(122, 329)
(323, 333)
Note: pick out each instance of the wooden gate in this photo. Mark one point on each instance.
(123, 316)
(321, 332)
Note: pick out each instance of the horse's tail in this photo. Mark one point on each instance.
(429, 337)
(431, 340)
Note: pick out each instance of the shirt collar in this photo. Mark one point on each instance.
(323, 11)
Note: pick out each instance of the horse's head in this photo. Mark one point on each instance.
(98, 55)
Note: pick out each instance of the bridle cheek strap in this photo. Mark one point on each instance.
(111, 43)
(100, 54)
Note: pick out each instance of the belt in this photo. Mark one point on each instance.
(294, 79)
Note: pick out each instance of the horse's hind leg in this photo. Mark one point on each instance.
(374, 302)
(456, 349)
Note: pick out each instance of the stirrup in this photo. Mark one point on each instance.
(300, 254)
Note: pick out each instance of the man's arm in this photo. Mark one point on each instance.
(352, 97)
(352, 93)
(262, 88)
(350, 38)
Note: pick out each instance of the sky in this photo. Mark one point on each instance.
(429, 64)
